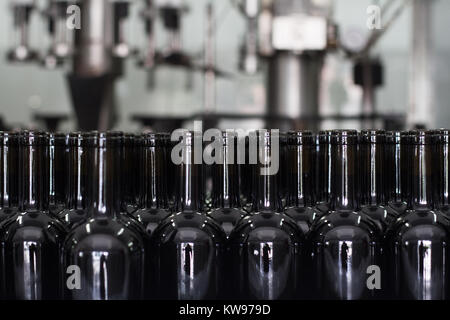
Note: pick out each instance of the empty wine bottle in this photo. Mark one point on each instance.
(323, 171)
(226, 201)
(107, 256)
(32, 239)
(74, 211)
(393, 173)
(300, 174)
(372, 178)
(345, 242)
(442, 174)
(189, 246)
(58, 171)
(266, 246)
(418, 245)
(9, 174)
(153, 181)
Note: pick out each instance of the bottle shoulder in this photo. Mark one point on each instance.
(232, 215)
(103, 234)
(32, 226)
(420, 224)
(189, 226)
(347, 224)
(7, 212)
(267, 226)
(144, 215)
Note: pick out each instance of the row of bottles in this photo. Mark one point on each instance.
(337, 215)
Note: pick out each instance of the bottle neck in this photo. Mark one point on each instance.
(153, 178)
(323, 167)
(190, 182)
(266, 177)
(76, 187)
(443, 174)
(343, 177)
(34, 177)
(129, 173)
(226, 180)
(300, 176)
(422, 168)
(103, 181)
(57, 174)
(9, 167)
(372, 173)
(394, 173)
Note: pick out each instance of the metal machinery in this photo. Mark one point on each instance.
(286, 39)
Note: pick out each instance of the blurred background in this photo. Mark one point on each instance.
(289, 64)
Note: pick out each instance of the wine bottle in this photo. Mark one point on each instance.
(74, 211)
(266, 246)
(32, 239)
(153, 181)
(107, 255)
(226, 201)
(323, 171)
(372, 178)
(418, 245)
(189, 246)
(396, 197)
(345, 242)
(442, 174)
(300, 171)
(58, 171)
(9, 174)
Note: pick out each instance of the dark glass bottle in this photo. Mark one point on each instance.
(245, 174)
(300, 175)
(442, 174)
(58, 172)
(418, 241)
(345, 242)
(266, 246)
(9, 174)
(153, 184)
(396, 197)
(189, 246)
(323, 171)
(32, 239)
(109, 255)
(226, 201)
(372, 178)
(74, 211)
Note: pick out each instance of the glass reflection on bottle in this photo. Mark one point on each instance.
(345, 242)
(189, 245)
(110, 255)
(266, 246)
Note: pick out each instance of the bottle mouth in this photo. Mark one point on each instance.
(421, 137)
(301, 138)
(9, 139)
(324, 136)
(33, 138)
(266, 137)
(393, 137)
(188, 138)
(344, 137)
(373, 136)
(58, 139)
(76, 139)
(102, 139)
(151, 139)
